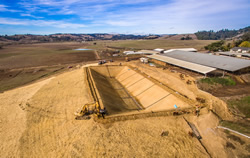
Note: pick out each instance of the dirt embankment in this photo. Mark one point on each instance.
(44, 126)
(173, 80)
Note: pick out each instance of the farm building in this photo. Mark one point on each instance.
(182, 49)
(163, 60)
(220, 62)
(143, 52)
(128, 52)
(159, 50)
(149, 52)
(240, 50)
(232, 54)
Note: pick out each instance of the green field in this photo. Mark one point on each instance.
(240, 127)
(242, 105)
(226, 81)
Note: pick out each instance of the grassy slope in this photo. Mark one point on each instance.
(227, 81)
(239, 106)
(13, 79)
(243, 105)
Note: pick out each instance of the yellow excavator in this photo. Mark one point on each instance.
(88, 109)
(91, 108)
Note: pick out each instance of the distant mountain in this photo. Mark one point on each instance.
(70, 37)
(200, 35)
(221, 34)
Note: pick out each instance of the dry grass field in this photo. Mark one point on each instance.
(44, 54)
(152, 44)
(22, 64)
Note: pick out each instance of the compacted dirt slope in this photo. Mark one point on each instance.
(38, 121)
(172, 80)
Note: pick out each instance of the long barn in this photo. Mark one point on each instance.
(224, 63)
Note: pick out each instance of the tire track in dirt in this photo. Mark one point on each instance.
(13, 110)
(47, 127)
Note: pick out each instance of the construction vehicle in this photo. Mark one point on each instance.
(91, 108)
(100, 62)
(88, 109)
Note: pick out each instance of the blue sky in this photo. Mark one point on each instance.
(121, 16)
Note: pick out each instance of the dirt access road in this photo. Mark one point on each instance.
(38, 121)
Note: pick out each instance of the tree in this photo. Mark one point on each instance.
(245, 44)
(186, 38)
(216, 46)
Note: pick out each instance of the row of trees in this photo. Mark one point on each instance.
(211, 35)
(186, 38)
(223, 46)
(221, 34)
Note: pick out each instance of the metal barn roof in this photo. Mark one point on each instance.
(220, 62)
(149, 52)
(191, 66)
(231, 54)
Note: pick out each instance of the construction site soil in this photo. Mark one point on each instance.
(123, 89)
(37, 120)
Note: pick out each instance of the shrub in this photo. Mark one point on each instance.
(227, 81)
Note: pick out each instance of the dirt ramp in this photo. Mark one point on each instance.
(151, 95)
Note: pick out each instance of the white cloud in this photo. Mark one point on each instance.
(157, 16)
(25, 22)
(29, 15)
(185, 15)
(4, 8)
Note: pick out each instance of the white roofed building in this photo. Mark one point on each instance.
(182, 49)
(159, 50)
